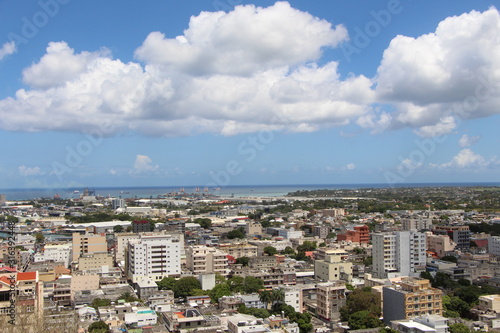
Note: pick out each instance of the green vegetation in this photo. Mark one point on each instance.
(99, 327)
(362, 309)
(236, 233)
(97, 302)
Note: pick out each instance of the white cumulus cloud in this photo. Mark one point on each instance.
(7, 49)
(144, 163)
(466, 158)
(452, 72)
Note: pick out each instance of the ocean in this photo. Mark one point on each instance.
(233, 190)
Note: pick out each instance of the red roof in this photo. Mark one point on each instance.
(7, 269)
(4, 279)
(24, 276)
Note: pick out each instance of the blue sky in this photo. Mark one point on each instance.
(233, 92)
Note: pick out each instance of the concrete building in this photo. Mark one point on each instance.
(238, 250)
(141, 226)
(330, 298)
(420, 223)
(290, 233)
(422, 324)
(358, 234)
(122, 240)
(203, 259)
(153, 257)
(88, 244)
(460, 234)
(96, 260)
(494, 245)
(410, 298)
(333, 267)
(439, 244)
(57, 252)
(118, 203)
(398, 253)
(253, 228)
(489, 302)
(321, 231)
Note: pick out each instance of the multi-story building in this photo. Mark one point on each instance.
(153, 257)
(118, 203)
(439, 244)
(494, 245)
(290, 233)
(330, 298)
(253, 228)
(420, 223)
(203, 259)
(56, 252)
(88, 244)
(489, 302)
(121, 244)
(238, 250)
(400, 253)
(411, 298)
(460, 234)
(321, 231)
(333, 267)
(96, 260)
(358, 234)
(141, 226)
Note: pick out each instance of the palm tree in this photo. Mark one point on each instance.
(265, 297)
(277, 296)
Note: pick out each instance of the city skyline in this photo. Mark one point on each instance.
(231, 92)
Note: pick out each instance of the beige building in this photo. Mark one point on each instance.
(203, 259)
(489, 302)
(253, 228)
(439, 244)
(330, 298)
(84, 282)
(410, 298)
(95, 261)
(88, 244)
(238, 250)
(333, 267)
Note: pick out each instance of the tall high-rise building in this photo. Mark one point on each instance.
(3, 199)
(330, 298)
(118, 203)
(399, 253)
(153, 257)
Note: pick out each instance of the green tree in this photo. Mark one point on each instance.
(236, 233)
(167, 283)
(454, 307)
(459, 328)
(289, 250)
(128, 297)
(185, 286)
(265, 297)
(270, 250)
(450, 259)
(361, 299)
(205, 223)
(252, 284)
(97, 302)
(99, 327)
(236, 284)
(39, 238)
(221, 289)
(363, 319)
(117, 228)
(243, 261)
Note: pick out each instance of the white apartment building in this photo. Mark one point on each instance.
(57, 252)
(494, 245)
(290, 233)
(153, 257)
(203, 259)
(399, 253)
